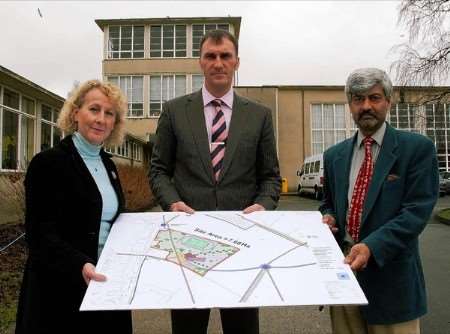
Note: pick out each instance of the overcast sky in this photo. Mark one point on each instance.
(281, 43)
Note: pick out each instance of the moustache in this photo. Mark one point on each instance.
(367, 112)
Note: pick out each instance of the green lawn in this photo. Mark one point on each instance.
(444, 216)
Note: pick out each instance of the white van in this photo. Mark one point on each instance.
(311, 176)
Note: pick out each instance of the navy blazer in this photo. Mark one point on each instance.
(63, 214)
(401, 196)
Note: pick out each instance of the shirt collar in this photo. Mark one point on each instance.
(377, 136)
(227, 98)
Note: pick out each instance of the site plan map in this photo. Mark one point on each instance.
(169, 260)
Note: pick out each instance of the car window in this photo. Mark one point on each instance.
(316, 166)
(307, 168)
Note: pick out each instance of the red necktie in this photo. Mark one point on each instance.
(218, 138)
(360, 191)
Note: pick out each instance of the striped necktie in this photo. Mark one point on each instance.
(360, 191)
(218, 138)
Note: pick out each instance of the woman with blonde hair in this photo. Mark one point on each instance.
(73, 196)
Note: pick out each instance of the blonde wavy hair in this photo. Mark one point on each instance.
(66, 121)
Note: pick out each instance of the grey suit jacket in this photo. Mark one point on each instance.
(181, 168)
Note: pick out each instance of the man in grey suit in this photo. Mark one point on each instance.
(215, 150)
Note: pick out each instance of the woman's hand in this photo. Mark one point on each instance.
(89, 274)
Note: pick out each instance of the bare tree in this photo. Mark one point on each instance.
(425, 59)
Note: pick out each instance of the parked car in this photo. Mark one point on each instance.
(444, 185)
(311, 176)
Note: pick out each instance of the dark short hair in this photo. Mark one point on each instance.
(217, 36)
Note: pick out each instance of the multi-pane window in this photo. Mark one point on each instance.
(199, 30)
(50, 133)
(10, 133)
(11, 99)
(125, 147)
(28, 106)
(119, 149)
(431, 120)
(436, 130)
(136, 153)
(46, 113)
(327, 126)
(197, 82)
(17, 116)
(110, 149)
(128, 149)
(444, 161)
(404, 116)
(163, 88)
(27, 132)
(168, 40)
(133, 87)
(126, 42)
(122, 150)
(46, 136)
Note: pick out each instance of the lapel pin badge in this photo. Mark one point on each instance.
(392, 177)
(114, 175)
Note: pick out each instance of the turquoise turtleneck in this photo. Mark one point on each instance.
(91, 157)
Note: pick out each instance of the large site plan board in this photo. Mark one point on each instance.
(169, 260)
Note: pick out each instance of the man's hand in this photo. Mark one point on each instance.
(331, 222)
(253, 208)
(180, 206)
(89, 274)
(358, 257)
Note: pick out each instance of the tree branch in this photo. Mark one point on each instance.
(425, 59)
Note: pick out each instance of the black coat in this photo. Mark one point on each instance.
(63, 214)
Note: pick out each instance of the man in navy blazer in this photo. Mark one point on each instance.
(400, 197)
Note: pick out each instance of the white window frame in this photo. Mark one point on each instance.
(111, 149)
(192, 81)
(204, 32)
(442, 157)
(110, 52)
(127, 148)
(348, 131)
(123, 150)
(52, 124)
(135, 151)
(393, 117)
(174, 44)
(118, 78)
(172, 89)
(21, 114)
(420, 125)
